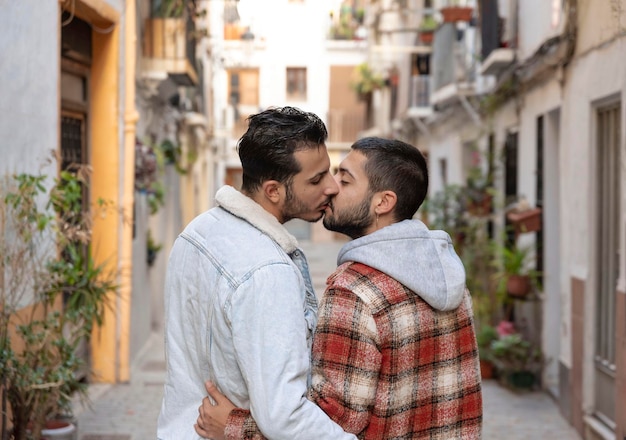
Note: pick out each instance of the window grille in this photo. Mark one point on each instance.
(607, 261)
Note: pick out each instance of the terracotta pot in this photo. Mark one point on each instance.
(453, 14)
(427, 37)
(481, 208)
(486, 369)
(525, 221)
(518, 285)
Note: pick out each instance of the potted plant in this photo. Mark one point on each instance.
(51, 295)
(365, 81)
(515, 272)
(427, 29)
(523, 217)
(479, 192)
(153, 249)
(485, 336)
(455, 12)
(479, 187)
(516, 359)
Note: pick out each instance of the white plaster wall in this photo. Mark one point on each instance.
(539, 20)
(556, 298)
(588, 86)
(446, 141)
(29, 84)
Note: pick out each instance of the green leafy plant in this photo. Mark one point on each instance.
(153, 249)
(168, 8)
(52, 293)
(447, 210)
(485, 335)
(428, 24)
(517, 360)
(366, 80)
(512, 260)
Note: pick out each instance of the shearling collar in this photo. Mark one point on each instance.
(244, 207)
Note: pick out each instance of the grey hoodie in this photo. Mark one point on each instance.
(422, 260)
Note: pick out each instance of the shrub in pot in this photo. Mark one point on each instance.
(51, 295)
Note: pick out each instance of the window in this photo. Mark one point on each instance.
(296, 83)
(608, 172)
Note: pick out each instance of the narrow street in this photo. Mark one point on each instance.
(129, 411)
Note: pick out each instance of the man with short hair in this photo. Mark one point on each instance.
(239, 302)
(394, 353)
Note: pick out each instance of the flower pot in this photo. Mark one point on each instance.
(521, 379)
(525, 221)
(427, 37)
(452, 14)
(482, 207)
(518, 285)
(57, 429)
(486, 369)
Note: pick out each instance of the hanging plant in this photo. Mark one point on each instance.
(366, 80)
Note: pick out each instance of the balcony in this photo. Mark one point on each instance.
(419, 98)
(455, 69)
(497, 37)
(497, 61)
(345, 125)
(169, 50)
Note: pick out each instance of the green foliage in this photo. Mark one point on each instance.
(428, 24)
(52, 293)
(366, 80)
(168, 8)
(485, 335)
(512, 354)
(150, 163)
(512, 259)
(153, 248)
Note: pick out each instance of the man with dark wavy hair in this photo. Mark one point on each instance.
(394, 352)
(239, 303)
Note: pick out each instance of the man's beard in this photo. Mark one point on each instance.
(352, 221)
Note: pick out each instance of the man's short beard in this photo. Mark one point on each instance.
(353, 222)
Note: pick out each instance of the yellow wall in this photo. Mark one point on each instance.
(112, 179)
(104, 157)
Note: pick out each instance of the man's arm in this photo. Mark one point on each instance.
(270, 338)
(346, 360)
(223, 421)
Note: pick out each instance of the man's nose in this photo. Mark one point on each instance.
(333, 187)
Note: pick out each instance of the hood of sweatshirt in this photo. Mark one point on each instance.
(421, 259)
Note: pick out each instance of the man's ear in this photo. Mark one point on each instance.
(385, 201)
(273, 191)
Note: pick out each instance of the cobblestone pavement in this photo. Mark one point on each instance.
(129, 411)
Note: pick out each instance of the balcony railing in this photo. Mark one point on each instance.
(345, 125)
(169, 47)
(420, 91)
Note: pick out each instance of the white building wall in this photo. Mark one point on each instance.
(555, 323)
(29, 85)
(286, 35)
(588, 87)
(539, 20)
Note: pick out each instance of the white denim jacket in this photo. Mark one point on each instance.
(240, 310)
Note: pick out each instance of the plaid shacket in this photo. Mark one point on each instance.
(386, 365)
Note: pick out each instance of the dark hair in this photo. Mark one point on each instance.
(266, 148)
(396, 166)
